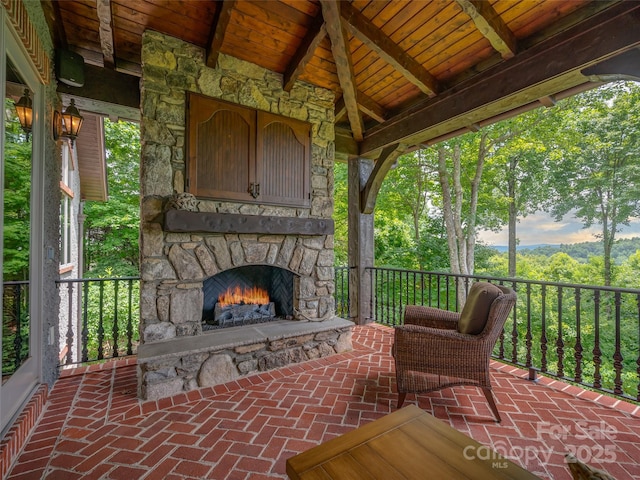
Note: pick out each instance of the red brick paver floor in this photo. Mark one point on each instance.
(93, 426)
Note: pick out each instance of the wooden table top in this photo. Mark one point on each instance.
(406, 444)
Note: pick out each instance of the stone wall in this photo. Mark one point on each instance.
(174, 265)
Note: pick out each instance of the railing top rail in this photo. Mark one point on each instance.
(16, 282)
(83, 280)
(513, 280)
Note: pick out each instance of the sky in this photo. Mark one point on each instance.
(541, 228)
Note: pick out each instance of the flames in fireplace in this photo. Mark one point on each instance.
(247, 295)
(242, 306)
(243, 296)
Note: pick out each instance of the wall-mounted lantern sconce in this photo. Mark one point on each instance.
(71, 121)
(24, 110)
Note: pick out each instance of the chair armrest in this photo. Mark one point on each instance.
(438, 349)
(430, 317)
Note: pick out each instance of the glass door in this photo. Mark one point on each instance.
(20, 226)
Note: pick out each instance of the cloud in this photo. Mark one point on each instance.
(541, 228)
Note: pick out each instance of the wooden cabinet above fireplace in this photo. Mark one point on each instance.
(240, 154)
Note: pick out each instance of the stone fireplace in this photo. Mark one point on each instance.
(191, 247)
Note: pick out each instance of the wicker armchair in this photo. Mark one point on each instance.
(432, 350)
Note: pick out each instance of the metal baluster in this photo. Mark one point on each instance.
(85, 323)
(378, 288)
(70, 324)
(638, 360)
(514, 332)
(578, 346)
(617, 356)
(387, 299)
(446, 287)
(17, 311)
(529, 337)
(543, 336)
(393, 299)
(430, 290)
(101, 323)
(415, 280)
(597, 352)
(115, 320)
(130, 321)
(560, 341)
(399, 307)
(438, 281)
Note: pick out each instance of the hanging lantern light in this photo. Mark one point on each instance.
(71, 121)
(24, 110)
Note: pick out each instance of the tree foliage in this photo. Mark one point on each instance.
(112, 227)
(597, 173)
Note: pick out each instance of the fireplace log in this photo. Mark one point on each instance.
(185, 221)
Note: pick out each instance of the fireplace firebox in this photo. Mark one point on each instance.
(247, 295)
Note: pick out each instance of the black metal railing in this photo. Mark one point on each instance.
(15, 325)
(99, 318)
(585, 334)
(341, 291)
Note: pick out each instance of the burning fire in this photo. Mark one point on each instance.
(239, 296)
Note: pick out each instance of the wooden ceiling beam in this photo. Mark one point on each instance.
(103, 8)
(304, 53)
(546, 68)
(344, 65)
(383, 164)
(376, 40)
(371, 108)
(54, 21)
(622, 67)
(492, 27)
(218, 30)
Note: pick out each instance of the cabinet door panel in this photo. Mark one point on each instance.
(283, 160)
(221, 149)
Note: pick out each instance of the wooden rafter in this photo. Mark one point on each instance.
(305, 51)
(371, 108)
(218, 30)
(344, 66)
(365, 104)
(548, 101)
(53, 18)
(552, 64)
(382, 166)
(361, 27)
(491, 26)
(107, 42)
(339, 110)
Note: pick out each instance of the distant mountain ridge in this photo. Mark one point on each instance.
(621, 250)
(504, 248)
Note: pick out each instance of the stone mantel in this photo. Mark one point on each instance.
(190, 222)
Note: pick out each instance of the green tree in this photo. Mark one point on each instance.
(597, 175)
(112, 227)
(17, 199)
(517, 172)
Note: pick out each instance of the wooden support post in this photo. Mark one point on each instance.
(360, 244)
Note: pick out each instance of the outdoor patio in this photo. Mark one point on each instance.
(93, 426)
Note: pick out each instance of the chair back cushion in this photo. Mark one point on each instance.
(475, 312)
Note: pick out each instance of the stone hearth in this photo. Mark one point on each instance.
(224, 355)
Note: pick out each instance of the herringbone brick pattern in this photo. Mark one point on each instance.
(95, 428)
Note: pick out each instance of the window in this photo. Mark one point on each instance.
(66, 205)
(241, 154)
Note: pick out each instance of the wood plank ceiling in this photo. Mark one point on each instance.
(405, 73)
